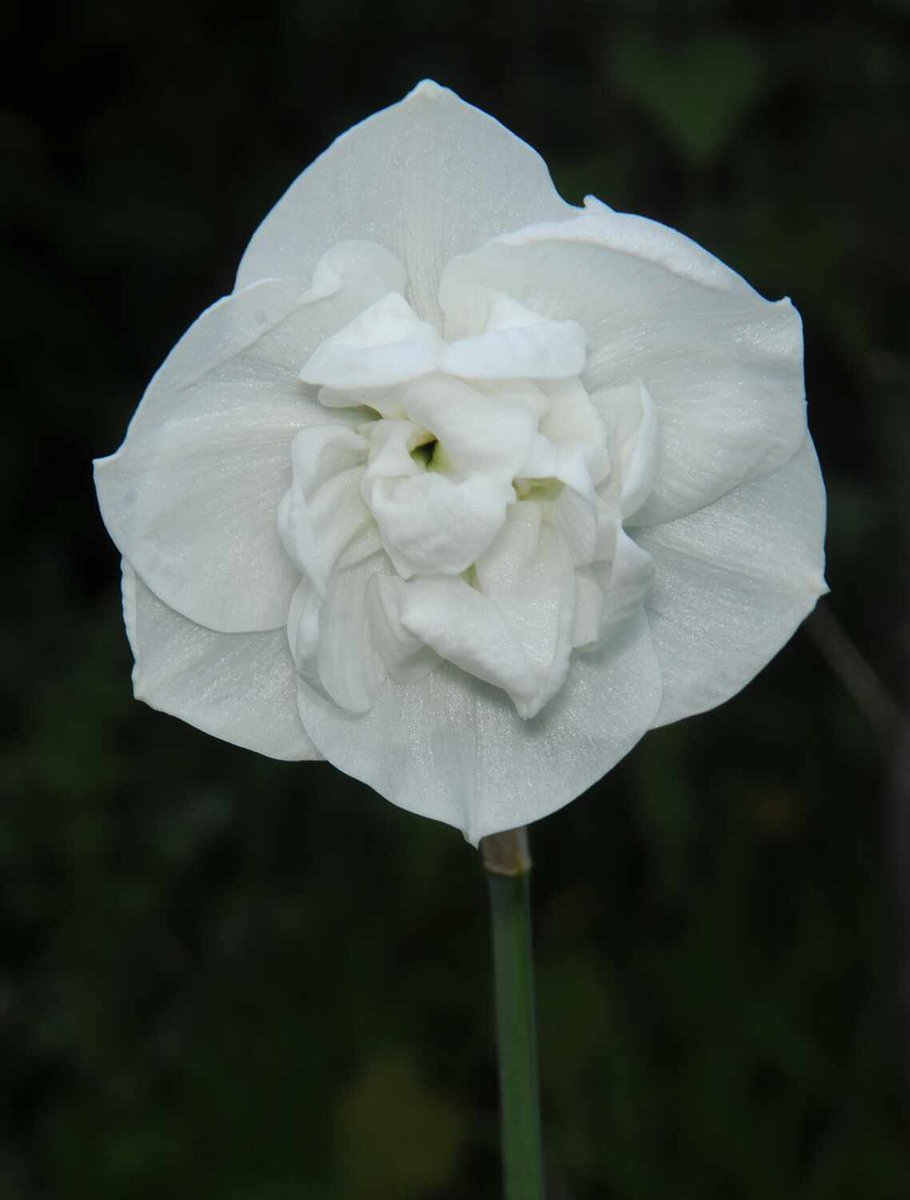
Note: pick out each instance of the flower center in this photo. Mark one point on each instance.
(475, 477)
(423, 453)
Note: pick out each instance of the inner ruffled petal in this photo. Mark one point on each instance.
(493, 337)
(347, 263)
(529, 574)
(492, 484)
(331, 638)
(471, 632)
(431, 524)
(323, 511)
(386, 344)
(477, 433)
(631, 418)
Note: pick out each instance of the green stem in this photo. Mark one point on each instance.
(508, 865)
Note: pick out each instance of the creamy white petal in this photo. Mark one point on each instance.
(346, 263)
(647, 239)
(303, 630)
(589, 599)
(386, 344)
(575, 519)
(316, 531)
(194, 505)
(384, 400)
(431, 524)
(391, 443)
(405, 656)
(252, 344)
(733, 582)
(572, 420)
(240, 687)
(543, 350)
(515, 629)
(722, 365)
(320, 452)
(427, 178)
(454, 749)
(529, 574)
(631, 420)
(323, 513)
(332, 639)
(469, 630)
(477, 433)
(190, 497)
(626, 582)
(492, 337)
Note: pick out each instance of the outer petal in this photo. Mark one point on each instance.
(733, 582)
(428, 178)
(722, 365)
(190, 498)
(240, 687)
(452, 748)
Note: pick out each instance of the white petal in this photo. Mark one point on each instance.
(631, 418)
(542, 350)
(428, 178)
(346, 263)
(386, 344)
(477, 433)
(332, 640)
(733, 582)
(240, 687)
(589, 598)
(322, 451)
(303, 630)
(572, 420)
(194, 504)
(540, 461)
(575, 519)
(469, 630)
(491, 337)
(322, 513)
(626, 583)
(628, 233)
(452, 748)
(431, 524)
(317, 531)
(528, 572)
(391, 443)
(190, 498)
(384, 400)
(722, 365)
(251, 344)
(405, 656)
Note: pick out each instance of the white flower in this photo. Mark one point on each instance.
(464, 488)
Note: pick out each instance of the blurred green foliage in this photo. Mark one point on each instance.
(231, 979)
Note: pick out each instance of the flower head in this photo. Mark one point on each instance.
(464, 488)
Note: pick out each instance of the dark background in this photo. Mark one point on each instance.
(231, 979)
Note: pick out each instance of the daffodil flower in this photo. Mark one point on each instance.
(464, 488)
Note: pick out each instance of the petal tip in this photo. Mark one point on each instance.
(428, 89)
(818, 586)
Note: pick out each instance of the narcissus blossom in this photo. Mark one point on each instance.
(464, 488)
